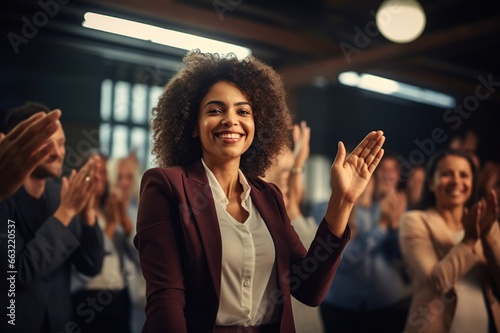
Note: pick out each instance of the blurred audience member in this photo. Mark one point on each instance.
(414, 186)
(25, 146)
(368, 293)
(286, 173)
(453, 253)
(467, 143)
(489, 178)
(55, 228)
(109, 287)
(123, 175)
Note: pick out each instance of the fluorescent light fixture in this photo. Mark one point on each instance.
(162, 36)
(378, 84)
(397, 89)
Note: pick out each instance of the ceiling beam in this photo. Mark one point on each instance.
(457, 87)
(330, 68)
(227, 23)
(446, 67)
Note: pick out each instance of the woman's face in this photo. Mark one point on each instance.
(225, 123)
(452, 181)
(126, 176)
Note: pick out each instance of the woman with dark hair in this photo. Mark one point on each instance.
(452, 250)
(216, 245)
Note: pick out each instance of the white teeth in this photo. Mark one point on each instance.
(455, 192)
(229, 136)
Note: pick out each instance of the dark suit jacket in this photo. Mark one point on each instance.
(45, 251)
(180, 249)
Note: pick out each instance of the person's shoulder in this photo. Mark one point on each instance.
(14, 204)
(8, 203)
(413, 214)
(167, 172)
(413, 218)
(161, 176)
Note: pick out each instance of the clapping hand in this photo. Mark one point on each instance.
(23, 148)
(301, 138)
(479, 219)
(392, 206)
(77, 192)
(490, 212)
(470, 221)
(116, 211)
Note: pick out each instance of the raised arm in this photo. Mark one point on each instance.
(301, 139)
(349, 178)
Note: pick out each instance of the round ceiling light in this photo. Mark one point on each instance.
(400, 21)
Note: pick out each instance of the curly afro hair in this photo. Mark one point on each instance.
(175, 117)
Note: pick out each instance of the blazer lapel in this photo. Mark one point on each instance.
(265, 202)
(203, 213)
(440, 232)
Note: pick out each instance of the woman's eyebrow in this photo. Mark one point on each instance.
(220, 103)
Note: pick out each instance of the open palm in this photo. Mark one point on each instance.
(349, 176)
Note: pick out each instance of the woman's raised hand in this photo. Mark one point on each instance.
(349, 176)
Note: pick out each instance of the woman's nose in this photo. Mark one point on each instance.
(228, 120)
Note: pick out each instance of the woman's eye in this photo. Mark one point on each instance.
(214, 111)
(243, 111)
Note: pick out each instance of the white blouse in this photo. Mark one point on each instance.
(111, 276)
(471, 313)
(249, 280)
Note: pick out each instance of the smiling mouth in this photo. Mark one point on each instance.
(229, 136)
(454, 192)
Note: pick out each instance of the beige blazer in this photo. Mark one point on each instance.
(435, 265)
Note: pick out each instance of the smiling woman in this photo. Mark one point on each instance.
(216, 245)
(176, 115)
(452, 252)
(225, 123)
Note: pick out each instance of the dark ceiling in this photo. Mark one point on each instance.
(457, 53)
(303, 39)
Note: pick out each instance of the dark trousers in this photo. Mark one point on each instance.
(99, 311)
(389, 319)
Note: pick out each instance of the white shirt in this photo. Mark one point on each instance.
(471, 313)
(111, 275)
(249, 279)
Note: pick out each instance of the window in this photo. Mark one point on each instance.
(125, 114)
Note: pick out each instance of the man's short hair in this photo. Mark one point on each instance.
(23, 112)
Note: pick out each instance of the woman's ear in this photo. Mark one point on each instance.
(194, 134)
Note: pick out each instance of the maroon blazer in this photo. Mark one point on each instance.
(180, 249)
